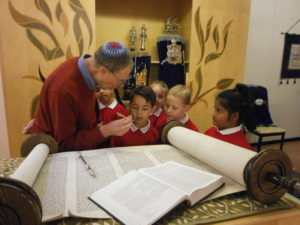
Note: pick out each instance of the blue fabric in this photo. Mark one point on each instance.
(260, 106)
(169, 73)
(85, 73)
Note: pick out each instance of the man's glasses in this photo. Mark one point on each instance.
(121, 81)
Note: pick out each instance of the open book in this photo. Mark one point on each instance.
(143, 196)
(63, 184)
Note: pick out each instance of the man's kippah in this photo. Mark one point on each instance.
(114, 49)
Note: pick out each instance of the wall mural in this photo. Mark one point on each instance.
(33, 25)
(220, 44)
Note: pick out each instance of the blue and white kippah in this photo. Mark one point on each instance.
(114, 49)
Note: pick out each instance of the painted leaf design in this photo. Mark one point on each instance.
(208, 28)
(31, 23)
(42, 77)
(199, 33)
(62, 18)
(31, 77)
(54, 53)
(78, 33)
(43, 6)
(212, 56)
(225, 34)
(198, 76)
(216, 37)
(34, 106)
(224, 83)
(80, 13)
(69, 53)
(190, 86)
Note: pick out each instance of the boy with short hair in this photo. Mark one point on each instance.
(177, 105)
(142, 101)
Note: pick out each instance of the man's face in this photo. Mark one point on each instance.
(105, 78)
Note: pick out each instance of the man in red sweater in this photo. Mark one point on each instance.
(67, 99)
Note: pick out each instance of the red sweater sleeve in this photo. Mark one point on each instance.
(65, 125)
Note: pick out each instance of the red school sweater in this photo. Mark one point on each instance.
(66, 109)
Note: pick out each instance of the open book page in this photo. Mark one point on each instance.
(179, 156)
(136, 198)
(50, 186)
(108, 164)
(196, 184)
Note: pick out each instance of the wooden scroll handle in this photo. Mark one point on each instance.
(163, 132)
(19, 203)
(266, 176)
(33, 140)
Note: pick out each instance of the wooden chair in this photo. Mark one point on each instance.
(261, 113)
(265, 131)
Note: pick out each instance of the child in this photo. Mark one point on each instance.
(177, 105)
(108, 107)
(142, 101)
(232, 111)
(159, 116)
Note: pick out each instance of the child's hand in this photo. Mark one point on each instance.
(117, 127)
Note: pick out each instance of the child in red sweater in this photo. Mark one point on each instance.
(159, 116)
(108, 107)
(232, 112)
(177, 105)
(142, 101)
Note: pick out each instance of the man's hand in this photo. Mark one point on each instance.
(116, 127)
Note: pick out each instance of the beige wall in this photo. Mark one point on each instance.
(4, 146)
(233, 14)
(32, 37)
(264, 56)
(21, 59)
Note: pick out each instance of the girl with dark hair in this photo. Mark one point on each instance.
(232, 114)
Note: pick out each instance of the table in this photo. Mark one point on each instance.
(233, 209)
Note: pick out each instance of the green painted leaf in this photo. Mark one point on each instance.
(31, 77)
(80, 13)
(62, 18)
(199, 34)
(48, 54)
(198, 76)
(208, 28)
(212, 56)
(225, 35)
(78, 33)
(216, 37)
(31, 23)
(224, 83)
(43, 6)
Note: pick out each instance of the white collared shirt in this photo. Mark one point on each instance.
(112, 105)
(143, 129)
(185, 119)
(157, 112)
(230, 130)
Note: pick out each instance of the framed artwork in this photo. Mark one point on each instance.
(291, 57)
